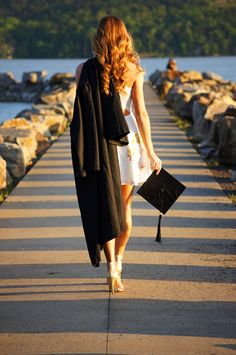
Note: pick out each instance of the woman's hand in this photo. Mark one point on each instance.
(155, 162)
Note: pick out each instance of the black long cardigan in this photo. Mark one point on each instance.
(97, 127)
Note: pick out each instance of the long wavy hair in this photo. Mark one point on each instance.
(113, 46)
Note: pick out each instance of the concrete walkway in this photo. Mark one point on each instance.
(179, 295)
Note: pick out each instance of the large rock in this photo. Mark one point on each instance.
(220, 142)
(68, 107)
(226, 127)
(207, 148)
(42, 133)
(59, 78)
(210, 86)
(21, 122)
(154, 77)
(190, 75)
(15, 158)
(180, 101)
(55, 123)
(29, 145)
(218, 107)
(3, 173)
(163, 81)
(45, 109)
(25, 138)
(200, 125)
(42, 109)
(41, 130)
(34, 77)
(17, 123)
(23, 133)
(212, 76)
(6, 79)
(53, 117)
(64, 108)
(43, 136)
(166, 86)
(34, 87)
(30, 96)
(27, 91)
(8, 88)
(11, 94)
(59, 93)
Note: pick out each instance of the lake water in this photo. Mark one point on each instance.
(224, 66)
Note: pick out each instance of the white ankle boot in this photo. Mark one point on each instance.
(119, 259)
(112, 276)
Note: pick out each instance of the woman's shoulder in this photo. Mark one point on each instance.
(132, 68)
(132, 73)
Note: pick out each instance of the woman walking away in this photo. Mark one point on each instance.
(111, 144)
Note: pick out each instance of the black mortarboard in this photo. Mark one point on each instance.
(161, 190)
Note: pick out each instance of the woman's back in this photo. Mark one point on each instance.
(129, 78)
(125, 99)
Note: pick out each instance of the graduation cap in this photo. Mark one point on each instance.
(161, 190)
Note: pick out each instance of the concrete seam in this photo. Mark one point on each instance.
(108, 322)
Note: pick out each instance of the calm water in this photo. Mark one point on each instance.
(225, 66)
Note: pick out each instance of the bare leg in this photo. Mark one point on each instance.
(109, 250)
(116, 246)
(123, 237)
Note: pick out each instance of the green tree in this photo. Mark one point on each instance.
(64, 28)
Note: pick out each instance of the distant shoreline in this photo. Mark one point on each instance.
(222, 65)
(141, 55)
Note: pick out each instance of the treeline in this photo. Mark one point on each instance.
(63, 28)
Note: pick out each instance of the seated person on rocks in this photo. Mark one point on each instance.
(171, 69)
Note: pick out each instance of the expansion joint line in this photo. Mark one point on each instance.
(108, 321)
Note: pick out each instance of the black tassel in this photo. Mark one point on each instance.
(158, 236)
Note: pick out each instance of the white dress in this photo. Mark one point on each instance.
(133, 160)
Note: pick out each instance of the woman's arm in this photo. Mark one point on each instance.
(144, 122)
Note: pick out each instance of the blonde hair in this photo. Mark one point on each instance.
(113, 46)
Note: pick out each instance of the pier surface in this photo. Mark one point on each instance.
(180, 295)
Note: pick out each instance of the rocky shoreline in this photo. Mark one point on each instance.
(24, 138)
(205, 104)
